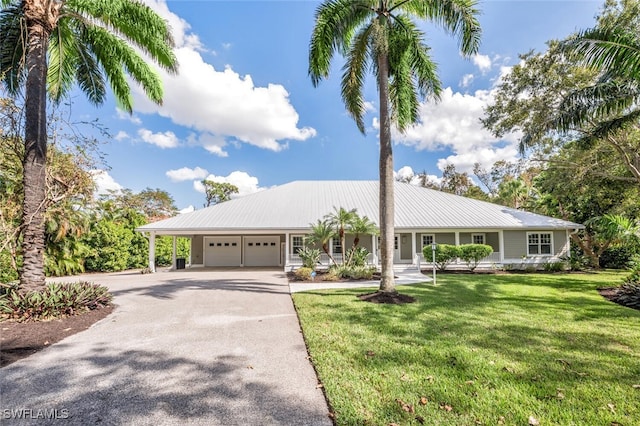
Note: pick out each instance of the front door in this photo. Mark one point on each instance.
(396, 248)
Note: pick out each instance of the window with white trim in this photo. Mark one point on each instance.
(428, 239)
(297, 243)
(337, 247)
(477, 238)
(539, 243)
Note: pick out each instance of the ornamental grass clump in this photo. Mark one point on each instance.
(55, 301)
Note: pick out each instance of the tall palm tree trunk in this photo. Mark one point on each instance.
(386, 201)
(32, 274)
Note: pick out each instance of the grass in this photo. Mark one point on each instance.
(478, 350)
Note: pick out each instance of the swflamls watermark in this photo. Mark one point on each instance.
(34, 414)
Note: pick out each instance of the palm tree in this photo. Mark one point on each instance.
(321, 233)
(361, 225)
(340, 219)
(47, 45)
(380, 35)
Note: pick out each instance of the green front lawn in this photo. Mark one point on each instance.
(479, 350)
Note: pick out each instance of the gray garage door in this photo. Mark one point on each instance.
(222, 251)
(261, 251)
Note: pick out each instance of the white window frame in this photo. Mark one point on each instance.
(422, 238)
(295, 246)
(539, 243)
(478, 234)
(335, 243)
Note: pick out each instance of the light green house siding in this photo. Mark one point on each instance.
(515, 243)
(493, 239)
(196, 250)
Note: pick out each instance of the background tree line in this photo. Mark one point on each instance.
(576, 106)
(82, 232)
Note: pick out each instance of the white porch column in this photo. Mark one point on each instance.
(173, 253)
(374, 248)
(501, 242)
(286, 249)
(457, 234)
(152, 252)
(413, 248)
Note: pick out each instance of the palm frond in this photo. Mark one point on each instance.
(89, 73)
(100, 43)
(354, 70)
(336, 23)
(594, 103)
(458, 17)
(12, 48)
(135, 22)
(61, 69)
(118, 59)
(614, 50)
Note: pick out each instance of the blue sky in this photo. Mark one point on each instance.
(243, 109)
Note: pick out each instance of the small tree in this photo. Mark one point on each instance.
(218, 192)
(321, 233)
(474, 253)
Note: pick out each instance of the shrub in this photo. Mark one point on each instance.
(331, 275)
(474, 253)
(303, 274)
(357, 256)
(55, 300)
(310, 257)
(554, 266)
(355, 272)
(445, 254)
(618, 257)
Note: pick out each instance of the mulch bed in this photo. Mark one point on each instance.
(611, 293)
(394, 298)
(20, 339)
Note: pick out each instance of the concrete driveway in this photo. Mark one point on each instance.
(206, 347)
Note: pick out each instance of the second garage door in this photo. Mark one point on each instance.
(261, 251)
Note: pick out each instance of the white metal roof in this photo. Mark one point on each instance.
(297, 204)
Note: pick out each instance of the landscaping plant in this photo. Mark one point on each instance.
(445, 254)
(54, 301)
(310, 257)
(474, 253)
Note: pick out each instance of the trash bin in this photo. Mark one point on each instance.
(180, 263)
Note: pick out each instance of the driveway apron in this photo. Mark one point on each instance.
(210, 347)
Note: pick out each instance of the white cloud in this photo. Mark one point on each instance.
(179, 27)
(369, 106)
(246, 183)
(122, 135)
(128, 117)
(162, 140)
(213, 144)
(483, 62)
(188, 209)
(104, 182)
(485, 156)
(454, 124)
(404, 173)
(466, 80)
(407, 172)
(185, 173)
(221, 103)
